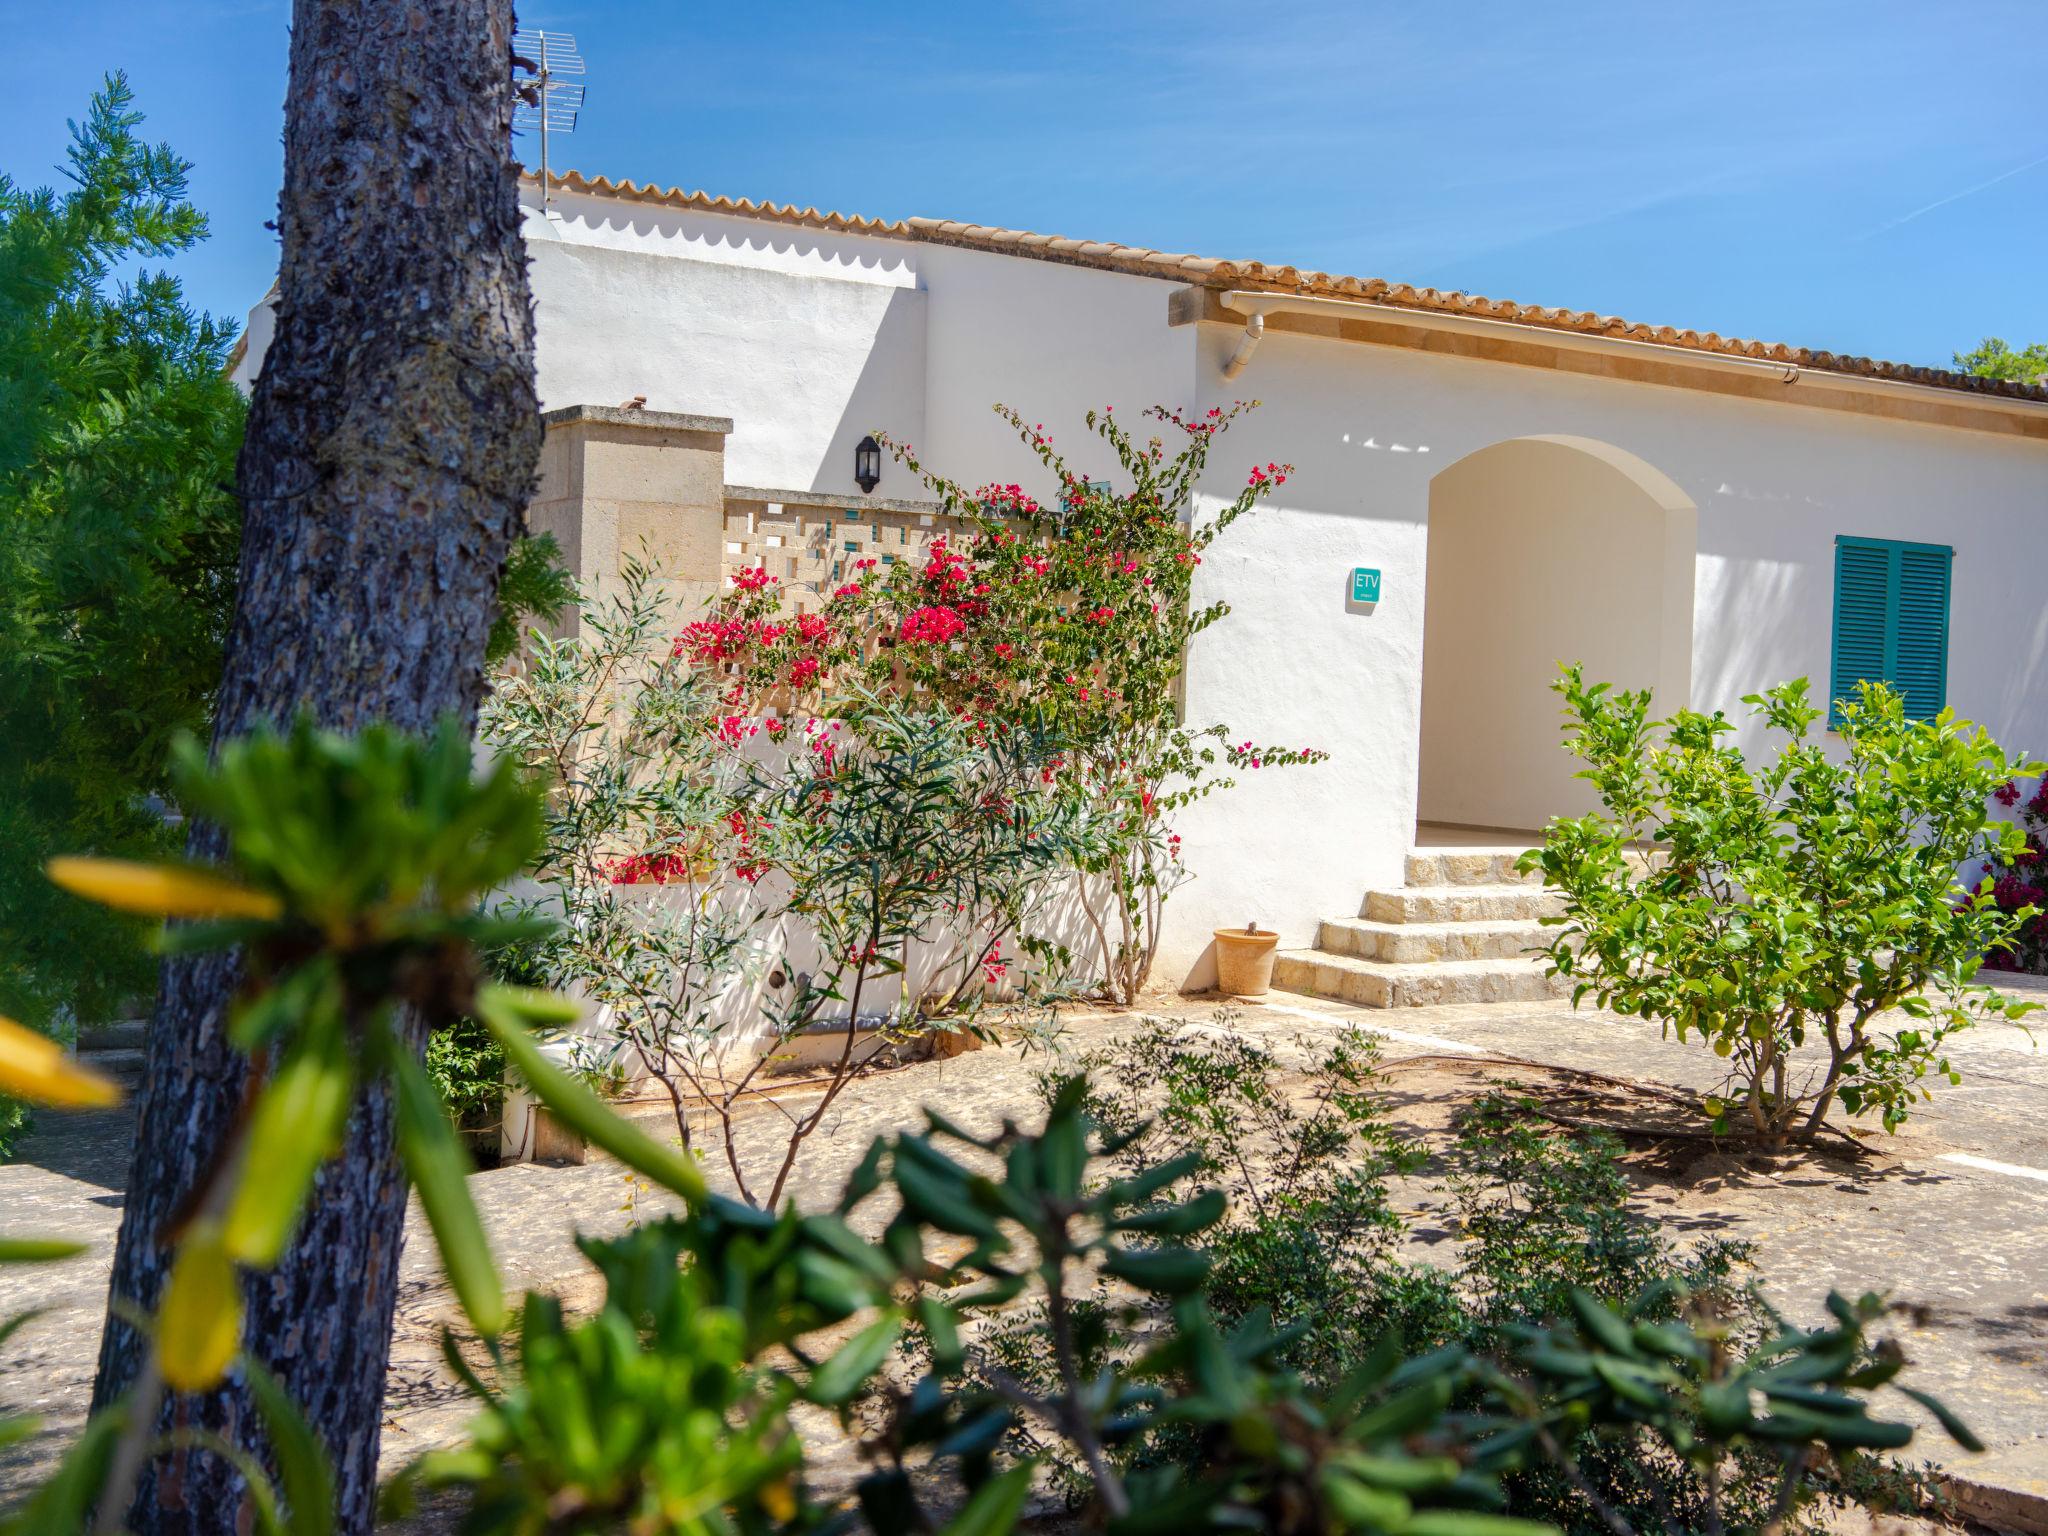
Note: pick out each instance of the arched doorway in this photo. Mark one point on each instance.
(1543, 550)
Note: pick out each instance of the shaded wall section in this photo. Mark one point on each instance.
(1542, 551)
(805, 364)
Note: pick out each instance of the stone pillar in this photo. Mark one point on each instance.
(622, 483)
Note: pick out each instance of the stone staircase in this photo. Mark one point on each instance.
(1459, 931)
(116, 1051)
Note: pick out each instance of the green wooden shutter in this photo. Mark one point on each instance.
(1920, 651)
(1891, 621)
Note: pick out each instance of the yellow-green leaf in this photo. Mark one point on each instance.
(995, 1506)
(1468, 1522)
(302, 1462)
(64, 1501)
(583, 1111)
(38, 1069)
(297, 1125)
(160, 890)
(37, 1250)
(199, 1327)
(539, 1007)
(439, 1171)
(838, 1378)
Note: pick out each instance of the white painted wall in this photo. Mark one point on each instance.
(1370, 427)
(810, 338)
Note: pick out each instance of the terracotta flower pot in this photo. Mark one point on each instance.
(1244, 961)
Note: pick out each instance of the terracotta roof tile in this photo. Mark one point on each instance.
(1214, 273)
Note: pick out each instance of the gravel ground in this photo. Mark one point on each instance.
(1950, 1216)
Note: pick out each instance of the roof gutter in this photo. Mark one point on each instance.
(1257, 305)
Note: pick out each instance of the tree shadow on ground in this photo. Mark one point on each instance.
(1668, 1150)
(91, 1146)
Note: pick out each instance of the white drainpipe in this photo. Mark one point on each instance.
(1247, 344)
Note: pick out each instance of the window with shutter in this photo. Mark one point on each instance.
(1891, 621)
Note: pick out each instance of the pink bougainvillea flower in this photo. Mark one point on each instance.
(933, 624)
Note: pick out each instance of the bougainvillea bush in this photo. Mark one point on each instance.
(2020, 882)
(1075, 615)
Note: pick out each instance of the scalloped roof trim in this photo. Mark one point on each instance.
(1212, 272)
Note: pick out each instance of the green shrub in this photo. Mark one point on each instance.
(354, 883)
(1155, 1413)
(466, 1065)
(1546, 1211)
(1782, 912)
(1312, 1231)
(1312, 1241)
(884, 829)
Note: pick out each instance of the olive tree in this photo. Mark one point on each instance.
(688, 852)
(1806, 918)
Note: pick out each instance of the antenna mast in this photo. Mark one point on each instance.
(546, 101)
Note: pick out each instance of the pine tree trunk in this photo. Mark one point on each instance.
(390, 455)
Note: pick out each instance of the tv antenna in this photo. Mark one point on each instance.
(550, 97)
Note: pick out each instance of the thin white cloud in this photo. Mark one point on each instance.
(1953, 197)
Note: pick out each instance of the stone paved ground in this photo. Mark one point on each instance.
(1967, 1241)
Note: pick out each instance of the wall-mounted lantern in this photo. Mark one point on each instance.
(867, 464)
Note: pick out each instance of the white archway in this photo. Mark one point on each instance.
(1543, 550)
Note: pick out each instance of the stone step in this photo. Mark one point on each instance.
(124, 1035)
(1466, 866)
(1489, 865)
(1376, 984)
(123, 1066)
(1415, 943)
(1462, 904)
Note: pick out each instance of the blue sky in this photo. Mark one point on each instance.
(1867, 176)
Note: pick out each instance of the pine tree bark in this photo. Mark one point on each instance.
(390, 455)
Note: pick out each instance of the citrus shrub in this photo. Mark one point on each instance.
(1804, 919)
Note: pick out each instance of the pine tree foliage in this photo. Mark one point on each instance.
(118, 539)
(119, 547)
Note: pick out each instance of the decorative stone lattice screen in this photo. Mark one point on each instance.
(812, 545)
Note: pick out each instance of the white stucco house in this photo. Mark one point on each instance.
(1683, 510)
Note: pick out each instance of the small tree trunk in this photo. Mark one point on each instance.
(390, 455)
